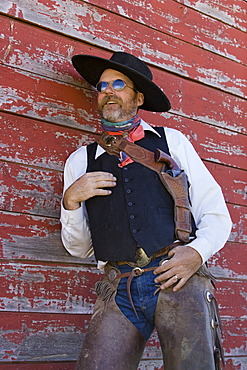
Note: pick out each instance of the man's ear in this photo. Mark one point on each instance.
(140, 98)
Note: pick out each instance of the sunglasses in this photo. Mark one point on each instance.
(116, 85)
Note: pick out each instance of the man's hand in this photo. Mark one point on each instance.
(87, 186)
(184, 262)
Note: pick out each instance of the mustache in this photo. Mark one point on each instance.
(112, 98)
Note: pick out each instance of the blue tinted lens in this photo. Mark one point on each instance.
(101, 86)
(118, 85)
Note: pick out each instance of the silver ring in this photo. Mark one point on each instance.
(176, 277)
(163, 262)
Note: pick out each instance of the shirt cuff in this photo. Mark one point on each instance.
(202, 247)
(71, 217)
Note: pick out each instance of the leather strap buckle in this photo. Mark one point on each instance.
(137, 271)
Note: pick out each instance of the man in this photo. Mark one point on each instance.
(121, 211)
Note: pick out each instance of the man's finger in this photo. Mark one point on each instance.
(175, 282)
(105, 184)
(102, 192)
(180, 284)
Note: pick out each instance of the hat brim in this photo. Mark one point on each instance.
(91, 67)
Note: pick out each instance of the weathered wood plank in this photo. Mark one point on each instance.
(48, 294)
(239, 219)
(54, 289)
(178, 57)
(232, 181)
(214, 144)
(40, 365)
(66, 105)
(47, 100)
(225, 265)
(26, 237)
(70, 289)
(151, 364)
(37, 50)
(231, 296)
(39, 192)
(232, 12)
(38, 238)
(58, 337)
(184, 23)
(32, 238)
(208, 101)
(54, 337)
(234, 363)
(30, 190)
(41, 337)
(21, 139)
(234, 336)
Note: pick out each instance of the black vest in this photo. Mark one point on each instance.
(139, 211)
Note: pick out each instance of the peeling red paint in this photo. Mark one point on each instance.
(196, 51)
(22, 137)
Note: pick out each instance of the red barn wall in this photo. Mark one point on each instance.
(196, 50)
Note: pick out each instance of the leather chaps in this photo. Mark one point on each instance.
(187, 323)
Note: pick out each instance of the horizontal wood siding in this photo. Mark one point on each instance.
(197, 53)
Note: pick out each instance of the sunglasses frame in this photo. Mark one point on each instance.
(111, 83)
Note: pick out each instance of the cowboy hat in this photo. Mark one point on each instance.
(91, 68)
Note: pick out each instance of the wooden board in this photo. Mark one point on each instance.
(197, 53)
(60, 337)
(185, 22)
(22, 137)
(38, 239)
(230, 12)
(89, 24)
(62, 104)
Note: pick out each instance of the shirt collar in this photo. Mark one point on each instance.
(145, 126)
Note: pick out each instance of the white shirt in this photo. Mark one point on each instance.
(208, 206)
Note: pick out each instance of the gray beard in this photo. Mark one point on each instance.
(118, 114)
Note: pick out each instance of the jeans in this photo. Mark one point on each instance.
(142, 293)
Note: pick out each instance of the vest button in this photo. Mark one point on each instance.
(134, 231)
(132, 217)
(130, 204)
(128, 191)
(126, 180)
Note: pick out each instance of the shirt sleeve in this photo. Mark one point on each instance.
(75, 233)
(208, 206)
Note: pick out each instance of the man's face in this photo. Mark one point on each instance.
(118, 106)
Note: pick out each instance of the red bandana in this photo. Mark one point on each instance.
(131, 130)
(134, 135)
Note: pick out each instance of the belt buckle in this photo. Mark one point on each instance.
(141, 258)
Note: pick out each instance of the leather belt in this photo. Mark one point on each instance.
(143, 259)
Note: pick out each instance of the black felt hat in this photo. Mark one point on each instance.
(91, 68)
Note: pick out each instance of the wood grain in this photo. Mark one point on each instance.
(197, 53)
(23, 48)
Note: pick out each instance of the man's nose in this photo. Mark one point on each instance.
(109, 89)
